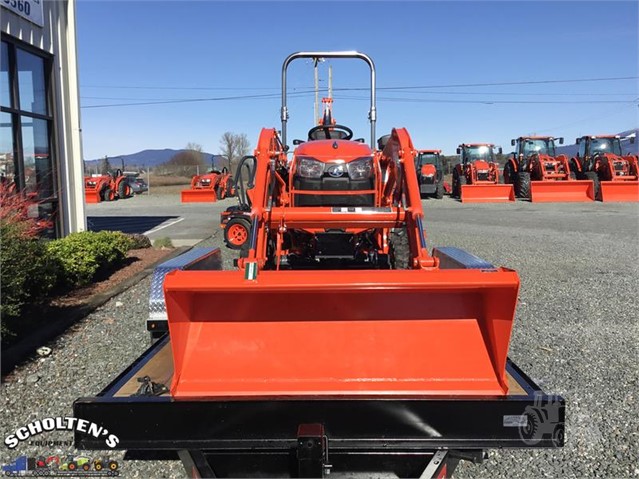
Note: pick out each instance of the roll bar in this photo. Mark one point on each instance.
(372, 114)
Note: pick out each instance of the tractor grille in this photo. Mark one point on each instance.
(482, 176)
(618, 166)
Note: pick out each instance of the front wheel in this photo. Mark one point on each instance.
(439, 191)
(592, 176)
(509, 173)
(236, 233)
(522, 185)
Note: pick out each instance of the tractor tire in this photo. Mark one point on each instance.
(107, 194)
(98, 466)
(399, 249)
(86, 466)
(591, 175)
(572, 175)
(218, 193)
(230, 188)
(72, 466)
(236, 233)
(113, 465)
(458, 181)
(124, 189)
(509, 173)
(522, 185)
(439, 191)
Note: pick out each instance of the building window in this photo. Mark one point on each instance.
(27, 160)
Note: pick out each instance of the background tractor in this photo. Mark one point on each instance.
(210, 187)
(600, 160)
(430, 173)
(109, 187)
(476, 177)
(540, 175)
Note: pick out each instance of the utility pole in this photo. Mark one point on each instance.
(316, 109)
(330, 81)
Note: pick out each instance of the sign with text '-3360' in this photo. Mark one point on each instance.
(29, 9)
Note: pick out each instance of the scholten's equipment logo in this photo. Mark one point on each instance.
(336, 171)
(60, 424)
(56, 466)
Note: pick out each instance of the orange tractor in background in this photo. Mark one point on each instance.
(430, 173)
(476, 178)
(107, 187)
(210, 187)
(540, 175)
(600, 160)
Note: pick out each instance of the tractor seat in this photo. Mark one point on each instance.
(332, 135)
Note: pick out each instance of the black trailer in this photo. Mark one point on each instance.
(311, 437)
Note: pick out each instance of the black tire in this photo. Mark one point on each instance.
(113, 465)
(98, 465)
(558, 435)
(86, 466)
(106, 194)
(591, 175)
(439, 191)
(522, 185)
(509, 173)
(572, 175)
(458, 181)
(124, 190)
(236, 233)
(400, 249)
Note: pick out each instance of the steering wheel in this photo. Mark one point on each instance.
(327, 132)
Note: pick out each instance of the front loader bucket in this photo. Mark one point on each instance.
(487, 193)
(562, 191)
(92, 197)
(198, 196)
(619, 190)
(354, 333)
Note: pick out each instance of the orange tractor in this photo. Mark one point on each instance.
(430, 173)
(476, 178)
(210, 187)
(540, 175)
(338, 225)
(340, 342)
(600, 160)
(107, 187)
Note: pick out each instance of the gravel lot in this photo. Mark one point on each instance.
(576, 334)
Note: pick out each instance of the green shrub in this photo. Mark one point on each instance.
(164, 242)
(139, 241)
(27, 272)
(83, 255)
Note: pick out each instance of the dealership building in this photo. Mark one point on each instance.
(40, 136)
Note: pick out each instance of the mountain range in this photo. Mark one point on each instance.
(151, 158)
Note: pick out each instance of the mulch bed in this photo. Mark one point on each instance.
(137, 260)
(74, 303)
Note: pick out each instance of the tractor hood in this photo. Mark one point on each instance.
(334, 149)
(481, 165)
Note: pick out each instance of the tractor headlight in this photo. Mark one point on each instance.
(310, 168)
(360, 169)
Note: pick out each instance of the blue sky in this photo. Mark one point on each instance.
(137, 52)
